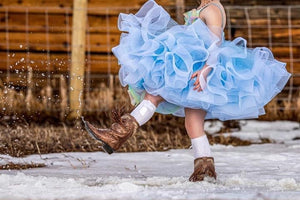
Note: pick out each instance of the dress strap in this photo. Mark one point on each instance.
(212, 3)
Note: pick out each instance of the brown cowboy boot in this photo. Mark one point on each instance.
(203, 167)
(113, 138)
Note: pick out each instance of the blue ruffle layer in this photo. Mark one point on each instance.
(159, 56)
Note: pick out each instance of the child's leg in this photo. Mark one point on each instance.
(203, 163)
(194, 124)
(145, 110)
(154, 99)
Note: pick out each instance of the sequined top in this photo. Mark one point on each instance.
(193, 15)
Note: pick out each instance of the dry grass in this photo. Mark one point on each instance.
(283, 109)
(50, 103)
(24, 140)
(35, 121)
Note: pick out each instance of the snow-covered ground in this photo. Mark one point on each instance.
(266, 171)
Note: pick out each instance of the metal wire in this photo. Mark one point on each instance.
(7, 45)
(108, 31)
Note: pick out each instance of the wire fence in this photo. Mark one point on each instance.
(281, 26)
(35, 48)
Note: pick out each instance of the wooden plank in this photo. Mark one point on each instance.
(63, 10)
(263, 23)
(56, 22)
(69, 3)
(56, 63)
(40, 80)
(279, 35)
(103, 42)
(65, 3)
(94, 6)
(101, 23)
(256, 16)
(59, 63)
(276, 14)
(99, 65)
(119, 6)
(56, 41)
(284, 52)
(124, 3)
(249, 2)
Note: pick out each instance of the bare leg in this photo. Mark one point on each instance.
(203, 163)
(194, 122)
(154, 99)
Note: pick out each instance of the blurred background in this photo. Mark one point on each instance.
(56, 65)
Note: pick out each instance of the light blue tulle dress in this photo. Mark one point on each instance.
(159, 56)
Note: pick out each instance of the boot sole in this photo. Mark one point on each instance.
(105, 146)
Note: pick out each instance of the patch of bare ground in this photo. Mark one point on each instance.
(19, 166)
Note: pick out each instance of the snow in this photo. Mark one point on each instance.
(260, 171)
(255, 131)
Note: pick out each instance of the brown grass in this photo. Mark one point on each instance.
(50, 104)
(283, 109)
(35, 121)
(24, 140)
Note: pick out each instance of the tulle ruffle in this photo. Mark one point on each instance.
(159, 56)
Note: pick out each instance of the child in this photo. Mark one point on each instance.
(189, 71)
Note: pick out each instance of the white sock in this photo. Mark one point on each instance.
(143, 112)
(201, 147)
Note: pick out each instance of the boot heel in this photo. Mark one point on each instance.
(112, 138)
(107, 148)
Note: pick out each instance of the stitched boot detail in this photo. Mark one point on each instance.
(117, 135)
(203, 167)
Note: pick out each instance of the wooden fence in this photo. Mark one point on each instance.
(36, 35)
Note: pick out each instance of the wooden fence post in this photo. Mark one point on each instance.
(78, 57)
(180, 6)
